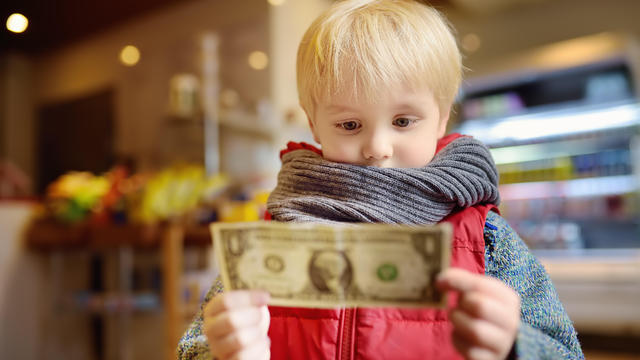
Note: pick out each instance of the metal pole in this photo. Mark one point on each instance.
(210, 95)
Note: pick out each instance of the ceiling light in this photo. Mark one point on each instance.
(276, 2)
(471, 42)
(258, 60)
(17, 23)
(129, 55)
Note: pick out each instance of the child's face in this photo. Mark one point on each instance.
(400, 130)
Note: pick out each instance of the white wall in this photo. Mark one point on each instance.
(287, 25)
(21, 286)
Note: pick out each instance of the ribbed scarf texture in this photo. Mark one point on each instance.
(312, 189)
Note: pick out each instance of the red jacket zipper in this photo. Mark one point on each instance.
(348, 329)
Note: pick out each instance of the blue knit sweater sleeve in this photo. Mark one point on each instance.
(193, 345)
(546, 332)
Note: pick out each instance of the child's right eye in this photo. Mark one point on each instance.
(349, 125)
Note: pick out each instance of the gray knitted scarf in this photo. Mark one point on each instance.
(312, 189)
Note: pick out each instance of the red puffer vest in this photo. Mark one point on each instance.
(381, 333)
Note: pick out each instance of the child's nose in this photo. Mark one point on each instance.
(377, 148)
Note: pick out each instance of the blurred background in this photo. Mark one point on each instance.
(127, 126)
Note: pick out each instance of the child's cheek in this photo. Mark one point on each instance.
(341, 152)
(415, 157)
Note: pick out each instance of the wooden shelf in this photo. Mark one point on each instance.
(168, 238)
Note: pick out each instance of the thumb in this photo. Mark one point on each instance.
(259, 297)
(265, 319)
(237, 300)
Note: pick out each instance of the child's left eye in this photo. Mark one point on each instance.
(349, 125)
(402, 122)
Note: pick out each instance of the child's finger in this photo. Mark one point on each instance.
(459, 280)
(465, 281)
(257, 351)
(471, 352)
(478, 333)
(236, 341)
(236, 300)
(266, 319)
(230, 321)
(487, 308)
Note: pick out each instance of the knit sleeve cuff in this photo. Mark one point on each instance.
(532, 343)
(194, 345)
(196, 348)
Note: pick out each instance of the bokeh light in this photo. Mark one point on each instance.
(276, 2)
(17, 23)
(129, 55)
(258, 60)
(471, 42)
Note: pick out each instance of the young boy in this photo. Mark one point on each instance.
(377, 79)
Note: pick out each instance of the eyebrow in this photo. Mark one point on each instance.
(339, 108)
(408, 106)
(336, 108)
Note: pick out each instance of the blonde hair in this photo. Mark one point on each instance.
(375, 44)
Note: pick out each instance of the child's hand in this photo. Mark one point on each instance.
(487, 317)
(236, 325)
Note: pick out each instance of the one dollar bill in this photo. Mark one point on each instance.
(322, 266)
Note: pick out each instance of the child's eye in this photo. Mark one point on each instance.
(402, 122)
(349, 125)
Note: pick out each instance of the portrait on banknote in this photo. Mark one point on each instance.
(330, 271)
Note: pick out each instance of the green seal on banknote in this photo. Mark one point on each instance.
(387, 272)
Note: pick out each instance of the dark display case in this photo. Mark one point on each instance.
(566, 143)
